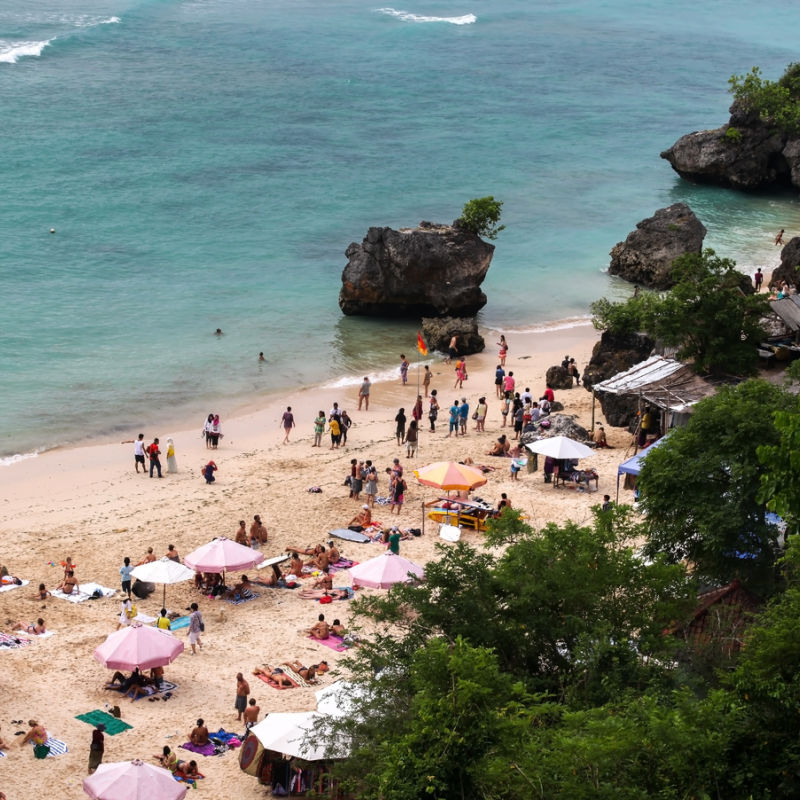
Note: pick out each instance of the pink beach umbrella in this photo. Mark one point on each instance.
(222, 555)
(138, 646)
(384, 570)
(133, 780)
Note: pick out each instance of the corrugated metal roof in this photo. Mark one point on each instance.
(664, 382)
(788, 310)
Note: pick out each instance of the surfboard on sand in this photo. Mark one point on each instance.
(350, 536)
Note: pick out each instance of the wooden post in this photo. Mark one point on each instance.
(594, 397)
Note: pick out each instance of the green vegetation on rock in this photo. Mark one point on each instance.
(481, 216)
(776, 102)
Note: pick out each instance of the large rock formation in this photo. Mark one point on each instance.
(558, 378)
(437, 332)
(746, 153)
(431, 270)
(615, 353)
(789, 269)
(646, 256)
(560, 425)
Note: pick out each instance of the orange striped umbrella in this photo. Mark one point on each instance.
(450, 476)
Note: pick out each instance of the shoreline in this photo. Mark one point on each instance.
(238, 408)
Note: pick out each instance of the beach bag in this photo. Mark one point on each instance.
(202, 626)
(326, 598)
(131, 612)
(41, 750)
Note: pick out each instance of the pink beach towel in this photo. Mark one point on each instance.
(334, 642)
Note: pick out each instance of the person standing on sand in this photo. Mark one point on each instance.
(242, 690)
(216, 432)
(779, 237)
(319, 428)
(454, 416)
(463, 416)
(344, 425)
(499, 375)
(503, 345)
(138, 452)
(426, 379)
(206, 432)
(287, 421)
(97, 748)
(433, 411)
(125, 572)
(172, 462)
(416, 412)
(400, 426)
(363, 394)
(403, 369)
(251, 714)
(155, 457)
(461, 374)
(758, 279)
(196, 627)
(336, 431)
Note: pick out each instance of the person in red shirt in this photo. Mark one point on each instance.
(155, 461)
(548, 394)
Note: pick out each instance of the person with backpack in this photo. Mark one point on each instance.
(154, 454)
(196, 627)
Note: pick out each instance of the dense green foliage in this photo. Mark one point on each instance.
(538, 670)
(481, 216)
(706, 315)
(780, 480)
(775, 102)
(700, 488)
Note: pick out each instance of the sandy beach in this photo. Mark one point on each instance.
(88, 503)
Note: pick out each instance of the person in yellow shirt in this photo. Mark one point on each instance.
(335, 431)
(163, 621)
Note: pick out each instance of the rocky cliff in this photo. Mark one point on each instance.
(438, 331)
(646, 256)
(745, 153)
(789, 269)
(431, 270)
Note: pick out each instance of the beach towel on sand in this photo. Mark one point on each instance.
(7, 587)
(113, 725)
(57, 747)
(9, 642)
(181, 622)
(334, 642)
(342, 563)
(238, 600)
(150, 691)
(36, 635)
(206, 750)
(84, 591)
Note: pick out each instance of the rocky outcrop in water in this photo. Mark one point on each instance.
(646, 256)
(437, 332)
(431, 270)
(746, 153)
(789, 269)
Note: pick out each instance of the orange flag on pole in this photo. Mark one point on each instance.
(421, 346)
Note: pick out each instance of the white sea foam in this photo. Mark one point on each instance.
(355, 380)
(11, 52)
(92, 22)
(407, 16)
(15, 459)
(558, 325)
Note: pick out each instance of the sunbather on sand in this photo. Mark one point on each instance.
(37, 734)
(321, 629)
(36, 628)
(361, 520)
(199, 734)
(243, 589)
(69, 583)
(308, 674)
(338, 628)
(501, 447)
(325, 582)
(188, 770)
(333, 552)
(4, 745)
(316, 594)
(276, 675)
(167, 759)
(320, 560)
(295, 565)
(306, 551)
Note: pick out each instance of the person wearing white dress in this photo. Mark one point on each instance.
(172, 462)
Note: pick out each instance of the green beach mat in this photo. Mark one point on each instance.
(113, 725)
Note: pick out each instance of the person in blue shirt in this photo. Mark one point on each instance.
(453, 419)
(463, 415)
(125, 571)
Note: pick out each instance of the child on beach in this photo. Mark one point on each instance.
(208, 472)
(319, 428)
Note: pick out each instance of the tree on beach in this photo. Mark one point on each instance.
(776, 102)
(700, 488)
(480, 216)
(707, 315)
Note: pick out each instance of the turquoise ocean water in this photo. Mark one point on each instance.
(205, 163)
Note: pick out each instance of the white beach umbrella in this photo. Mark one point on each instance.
(560, 447)
(290, 734)
(163, 571)
(338, 699)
